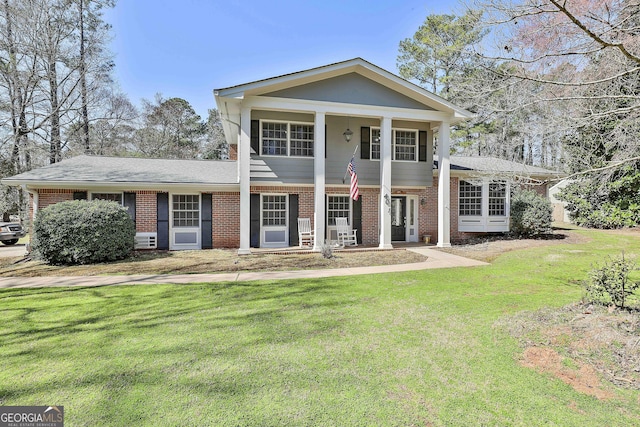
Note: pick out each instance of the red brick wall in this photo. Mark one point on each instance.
(146, 211)
(48, 197)
(233, 152)
(226, 220)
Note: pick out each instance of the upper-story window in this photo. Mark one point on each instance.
(405, 144)
(287, 139)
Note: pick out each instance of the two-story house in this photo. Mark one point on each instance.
(291, 140)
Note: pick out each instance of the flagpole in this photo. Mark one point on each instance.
(347, 171)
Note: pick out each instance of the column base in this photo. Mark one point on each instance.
(443, 245)
(387, 246)
(244, 251)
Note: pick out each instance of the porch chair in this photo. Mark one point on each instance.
(346, 236)
(305, 232)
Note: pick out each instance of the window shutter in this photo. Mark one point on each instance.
(325, 144)
(80, 195)
(422, 146)
(255, 136)
(255, 221)
(130, 204)
(357, 218)
(205, 222)
(365, 142)
(293, 220)
(162, 228)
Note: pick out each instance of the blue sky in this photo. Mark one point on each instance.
(187, 48)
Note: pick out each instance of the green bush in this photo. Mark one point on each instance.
(610, 284)
(531, 214)
(82, 232)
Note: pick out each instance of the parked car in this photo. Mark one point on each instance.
(11, 232)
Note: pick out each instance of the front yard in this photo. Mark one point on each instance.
(433, 347)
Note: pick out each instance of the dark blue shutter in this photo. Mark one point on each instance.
(365, 142)
(255, 221)
(422, 146)
(80, 195)
(293, 220)
(205, 221)
(255, 136)
(162, 211)
(357, 218)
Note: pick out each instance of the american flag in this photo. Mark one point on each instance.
(355, 193)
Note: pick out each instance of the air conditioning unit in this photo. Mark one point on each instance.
(146, 240)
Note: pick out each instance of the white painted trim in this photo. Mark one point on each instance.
(416, 218)
(486, 223)
(128, 186)
(319, 180)
(173, 246)
(265, 228)
(335, 108)
(444, 187)
(288, 123)
(244, 166)
(385, 183)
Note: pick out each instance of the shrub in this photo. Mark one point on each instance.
(326, 249)
(611, 283)
(531, 214)
(81, 232)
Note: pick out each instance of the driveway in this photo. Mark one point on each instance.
(13, 251)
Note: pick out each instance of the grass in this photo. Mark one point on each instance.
(210, 261)
(416, 348)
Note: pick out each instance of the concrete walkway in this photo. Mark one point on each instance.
(435, 259)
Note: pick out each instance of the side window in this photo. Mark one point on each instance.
(470, 199)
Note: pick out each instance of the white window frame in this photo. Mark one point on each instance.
(485, 223)
(332, 229)
(288, 139)
(108, 192)
(394, 131)
(185, 229)
(265, 229)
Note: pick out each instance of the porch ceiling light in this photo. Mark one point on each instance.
(347, 135)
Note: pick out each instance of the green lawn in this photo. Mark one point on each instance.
(417, 348)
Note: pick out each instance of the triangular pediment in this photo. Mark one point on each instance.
(351, 88)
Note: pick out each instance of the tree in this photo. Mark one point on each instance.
(436, 54)
(216, 146)
(171, 129)
(585, 57)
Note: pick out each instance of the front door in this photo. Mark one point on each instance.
(185, 222)
(398, 219)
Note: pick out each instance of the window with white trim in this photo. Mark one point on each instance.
(375, 144)
(405, 144)
(470, 201)
(497, 198)
(186, 210)
(113, 197)
(287, 139)
(337, 207)
(274, 210)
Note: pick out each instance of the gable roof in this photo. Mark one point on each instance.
(130, 172)
(355, 65)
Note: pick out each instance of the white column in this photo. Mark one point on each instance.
(444, 190)
(319, 220)
(385, 183)
(244, 168)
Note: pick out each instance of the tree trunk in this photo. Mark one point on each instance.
(54, 146)
(83, 82)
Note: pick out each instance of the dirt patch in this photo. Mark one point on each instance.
(583, 378)
(212, 261)
(580, 343)
(490, 247)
